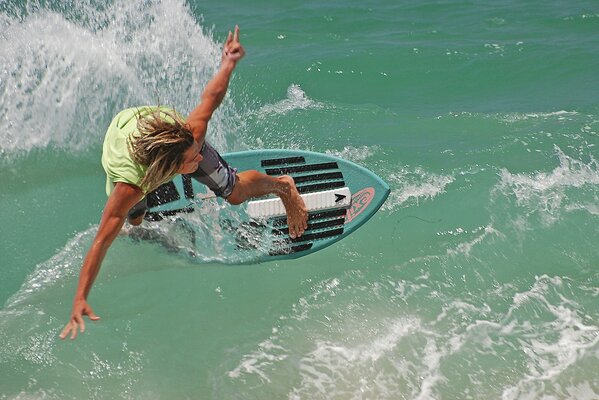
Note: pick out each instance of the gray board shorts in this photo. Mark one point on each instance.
(213, 172)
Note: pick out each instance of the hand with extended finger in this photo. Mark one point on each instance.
(80, 308)
(233, 50)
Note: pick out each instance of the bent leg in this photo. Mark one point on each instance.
(236, 188)
(255, 184)
(136, 221)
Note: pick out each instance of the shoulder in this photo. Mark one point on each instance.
(124, 189)
(123, 197)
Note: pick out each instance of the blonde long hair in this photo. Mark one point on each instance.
(159, 145)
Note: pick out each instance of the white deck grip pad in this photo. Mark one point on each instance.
(325, 200)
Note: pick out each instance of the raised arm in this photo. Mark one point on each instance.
(215, 90)
(120, 201)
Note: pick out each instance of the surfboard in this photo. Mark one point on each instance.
(340, 196)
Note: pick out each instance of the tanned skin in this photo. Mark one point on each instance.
(124, 196)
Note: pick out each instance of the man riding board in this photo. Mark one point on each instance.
(146, 147)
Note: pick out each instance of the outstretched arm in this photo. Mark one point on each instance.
(215, 90)
(119, 203)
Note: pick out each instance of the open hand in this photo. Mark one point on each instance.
(80, 308)
(233, 50)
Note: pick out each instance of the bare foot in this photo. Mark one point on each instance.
(297, 214)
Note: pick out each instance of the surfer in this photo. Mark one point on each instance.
(146, 147)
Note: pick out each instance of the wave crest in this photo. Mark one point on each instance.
(63, 78)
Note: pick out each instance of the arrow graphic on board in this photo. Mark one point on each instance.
(339, 197)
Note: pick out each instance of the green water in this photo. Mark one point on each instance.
(477, 279)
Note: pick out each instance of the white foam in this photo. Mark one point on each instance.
(211, 233)
(269, 352)
(556, 342)
(296, 100)
(351, 354)
(466, 247)
(581, 16)
(258, 361)
(591, 208)
(559, 115)
(495, 48)
(545, 192)
(62, 81)
(416, 184)
(355, 154)
(334, 369)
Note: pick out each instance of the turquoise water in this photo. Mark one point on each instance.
(479, 278)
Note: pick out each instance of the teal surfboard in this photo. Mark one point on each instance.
(340, 195)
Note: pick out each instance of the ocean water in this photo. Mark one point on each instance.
(479, 277)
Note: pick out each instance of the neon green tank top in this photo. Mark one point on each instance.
(116, 160)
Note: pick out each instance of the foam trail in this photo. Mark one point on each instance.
(62, 79)
(212, 233)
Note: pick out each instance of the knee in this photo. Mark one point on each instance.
(234, 198)
(136, 221)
